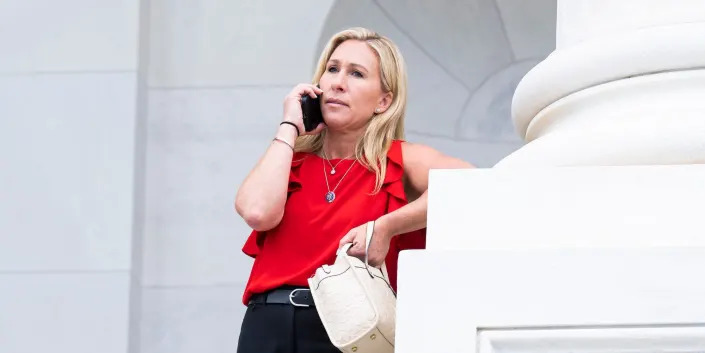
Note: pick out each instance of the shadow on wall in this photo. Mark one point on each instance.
(465, 59)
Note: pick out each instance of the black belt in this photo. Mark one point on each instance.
(294, 296)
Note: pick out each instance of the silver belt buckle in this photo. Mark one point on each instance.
(291, 297)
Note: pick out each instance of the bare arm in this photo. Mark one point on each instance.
(406, 219)
(418, 161)
(261, 198)
(263, 210)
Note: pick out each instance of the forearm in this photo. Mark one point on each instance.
(261, 198)
(408, 218)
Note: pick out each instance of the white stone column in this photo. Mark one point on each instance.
(591, 258)
(625, 85)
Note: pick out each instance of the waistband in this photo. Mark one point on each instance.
(290, 296)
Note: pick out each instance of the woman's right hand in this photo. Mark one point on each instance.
(292, 107)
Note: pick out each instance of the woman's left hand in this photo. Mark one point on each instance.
(379, 246)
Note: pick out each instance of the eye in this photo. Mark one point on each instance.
(332, 69)
(357, 74)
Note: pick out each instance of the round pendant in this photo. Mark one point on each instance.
(332, 171)
(330, 196)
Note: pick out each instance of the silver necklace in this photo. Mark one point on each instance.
(332, 168)
(330, 195)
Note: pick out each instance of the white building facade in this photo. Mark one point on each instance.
(126, 127)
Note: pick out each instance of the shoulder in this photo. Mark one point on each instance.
(419, 159)
(420, 155)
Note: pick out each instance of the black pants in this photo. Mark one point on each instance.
(283, 328)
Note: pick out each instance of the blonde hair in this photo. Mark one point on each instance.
(371, 149)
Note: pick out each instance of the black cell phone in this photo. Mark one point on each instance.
(311, 108)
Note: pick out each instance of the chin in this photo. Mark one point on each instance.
(336, 120)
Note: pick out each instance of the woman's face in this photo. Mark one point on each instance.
(352, 88)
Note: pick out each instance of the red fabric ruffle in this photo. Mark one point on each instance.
(394, 185)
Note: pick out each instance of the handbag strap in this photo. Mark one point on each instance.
(368, 240)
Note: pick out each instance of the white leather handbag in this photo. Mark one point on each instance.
(356, 302)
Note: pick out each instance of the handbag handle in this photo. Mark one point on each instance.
(368, 239)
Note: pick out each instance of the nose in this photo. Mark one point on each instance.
(338, 83)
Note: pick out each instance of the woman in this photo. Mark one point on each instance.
(314, 191)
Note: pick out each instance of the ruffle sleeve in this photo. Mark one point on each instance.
(393, 183)
(255, 240)
(394, 186)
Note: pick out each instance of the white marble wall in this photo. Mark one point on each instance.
(68, 88)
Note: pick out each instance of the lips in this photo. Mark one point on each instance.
(335, 101)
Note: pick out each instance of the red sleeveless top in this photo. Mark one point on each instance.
(309, 232)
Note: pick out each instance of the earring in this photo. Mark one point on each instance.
(377, 110)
